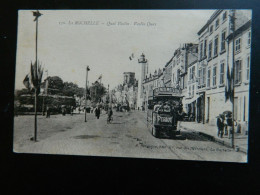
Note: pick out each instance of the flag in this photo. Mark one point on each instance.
(231, 95)
(37, 14)
(227, 87)
(36, 76)
(131, 56)
(26, 82)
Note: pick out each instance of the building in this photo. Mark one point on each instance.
(144, 70)
(126, 93)
(213, 60)
(191, 98)
(129, 78)
(149, 84)
(242, 58)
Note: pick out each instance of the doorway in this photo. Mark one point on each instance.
(208, 115)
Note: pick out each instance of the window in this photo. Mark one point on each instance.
(223, 41)
(208, 79)
(247, 68)
(203, 76)
(193, 73)
(189, 91)
(214, 76)
(238, 71)
(216, 46)
(210, 49)
(249, 38)
(224, 16)
(199, 77)
(222, 72)
(211, 29)
(192, 90)
(216, 24)
(205, 48)
(201, 50)
(238, 45)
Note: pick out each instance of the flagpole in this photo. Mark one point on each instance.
(35, 87)
(232, 79)
(87, 69)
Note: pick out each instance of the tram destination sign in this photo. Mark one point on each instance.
(167, 91)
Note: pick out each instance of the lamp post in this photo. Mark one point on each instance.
(87, 69)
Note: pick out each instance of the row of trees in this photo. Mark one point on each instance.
(64, 92)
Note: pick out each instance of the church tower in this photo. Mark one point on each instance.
(144, 70)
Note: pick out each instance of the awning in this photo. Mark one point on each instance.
(189, 101)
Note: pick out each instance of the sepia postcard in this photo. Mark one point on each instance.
(160, 84)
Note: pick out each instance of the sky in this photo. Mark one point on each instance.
(69, 40)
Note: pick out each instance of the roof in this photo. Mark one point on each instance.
(241, 29)
(213, 16)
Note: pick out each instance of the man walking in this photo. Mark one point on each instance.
(97, 112)
(48, 112)
(220, 125)
(109, 115)
(229, 125)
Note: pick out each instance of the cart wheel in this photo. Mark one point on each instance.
(155, 132)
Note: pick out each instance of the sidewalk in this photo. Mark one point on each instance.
(240, 141)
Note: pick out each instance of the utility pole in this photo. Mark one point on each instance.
(88, 69)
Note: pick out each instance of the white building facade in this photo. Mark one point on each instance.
(214, 60)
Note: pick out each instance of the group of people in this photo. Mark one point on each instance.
(224, 124)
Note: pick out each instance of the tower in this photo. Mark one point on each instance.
(144, 70)
(129, 78)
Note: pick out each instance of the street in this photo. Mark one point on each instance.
(127, 136)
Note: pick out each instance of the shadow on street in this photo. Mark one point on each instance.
(86, 136)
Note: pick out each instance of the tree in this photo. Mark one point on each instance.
(71, 89)
(97, 91)
(55, 85)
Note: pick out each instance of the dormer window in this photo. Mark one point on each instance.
(211, 29)
(217, 24)
(224, 16)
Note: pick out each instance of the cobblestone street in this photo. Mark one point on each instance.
(127, 136)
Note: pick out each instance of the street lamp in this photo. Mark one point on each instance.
(87, 69)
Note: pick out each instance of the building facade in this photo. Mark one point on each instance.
(202, 70)
(213, 62)
(240, 54)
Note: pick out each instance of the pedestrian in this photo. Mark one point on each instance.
(71, 111)
(220, 125)
(97, 112)
(109, 114)
(48, 112)
(225, 125)
(229, 125)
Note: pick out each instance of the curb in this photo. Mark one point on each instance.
(217, 140)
